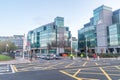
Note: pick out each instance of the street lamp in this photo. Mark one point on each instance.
(71, 45)
(86, 47)
(6, 47)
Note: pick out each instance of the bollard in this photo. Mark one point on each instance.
(87, 58)
(98, 58)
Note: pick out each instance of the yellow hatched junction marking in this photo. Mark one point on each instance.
(96, 64)
(91, 73)
(105, 73)
(77, 72)
(115, 74)
(70, 75)
(79, 69)
(117, 67)
(55, 65)
(77, 78)
(69, 65)
(84, 63)
(101, 69)
(108, 77)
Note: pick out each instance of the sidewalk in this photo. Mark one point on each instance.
(91, 59)
(17, 60)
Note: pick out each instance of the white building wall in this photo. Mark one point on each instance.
(101, 29)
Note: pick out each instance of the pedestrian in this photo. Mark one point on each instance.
(81, 56)
(71, 56)
(31, 56)
(35, 56)
(94, 56)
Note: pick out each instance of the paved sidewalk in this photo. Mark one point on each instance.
(97, 59)
(17, 60)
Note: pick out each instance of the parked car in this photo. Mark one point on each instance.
(57, 57)
(43, 56)
(49, 57)
(38, 55)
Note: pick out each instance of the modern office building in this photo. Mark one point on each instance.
(74, 44)
(50, 38)
(114, 33)
(16, 39)
(101, 34)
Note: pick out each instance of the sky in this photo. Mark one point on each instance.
(17, 17)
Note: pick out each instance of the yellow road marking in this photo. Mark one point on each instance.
(49, 68)
(110, 66)
(114, 70)
(15, 69)
(115, 74)
(105, 73)
(79, 69)
(55, 65)
(89, 79)
(117, 67)
(70, 75)
(75, 76)
(77, 72)
(84, 63)
(96, 63)
(69, 65)
(91, 73)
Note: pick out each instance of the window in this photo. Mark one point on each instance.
(44, 28)
(54, 27)
(67, 29)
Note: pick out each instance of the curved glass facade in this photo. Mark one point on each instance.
(54, 32)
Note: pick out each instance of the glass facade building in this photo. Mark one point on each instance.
(114, 33)
(102, 33)
(16, 39)
(87, 37)
(74, 44)
(55, 34)
(116, 16)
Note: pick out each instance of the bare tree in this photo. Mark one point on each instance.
(6, 46)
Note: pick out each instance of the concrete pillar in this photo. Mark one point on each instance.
(47, 51)
(98, 58)
(57, 51)
(108, 50)
(33, 51)
(40, 51)
(29, 54)
(115, 51)
(23, 54)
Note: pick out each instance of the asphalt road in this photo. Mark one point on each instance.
(36, 75)
(66, 69)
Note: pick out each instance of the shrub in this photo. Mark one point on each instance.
(4, 57)
(110, 55)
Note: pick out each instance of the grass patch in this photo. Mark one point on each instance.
(4, 58)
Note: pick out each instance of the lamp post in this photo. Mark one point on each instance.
(6, 47)
(71, 45)
(86, 47)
